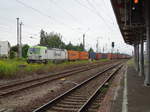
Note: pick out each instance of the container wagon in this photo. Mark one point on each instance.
(4, 49)
(114, 56)
(57, 55)
(92, 55)
(83, 55)
(109, 56)
(103, 56)
(98, 56)
(73, 55)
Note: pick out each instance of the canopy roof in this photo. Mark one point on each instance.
(130, 18)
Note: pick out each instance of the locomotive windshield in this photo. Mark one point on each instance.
(34, 50)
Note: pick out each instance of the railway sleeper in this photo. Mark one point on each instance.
(61, 109)
(92, 110)
(75, 100)
(77, 95)
(68, 106)
(94, 106)
(52, 111)
(72, 103)
(74, 97)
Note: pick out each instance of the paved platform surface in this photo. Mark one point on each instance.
(138, 96)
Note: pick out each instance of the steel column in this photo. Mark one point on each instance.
(147, 9)
(137, 53)
(141, 58)
(135, 56)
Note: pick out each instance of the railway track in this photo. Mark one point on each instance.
(78, 98)
(19, 86)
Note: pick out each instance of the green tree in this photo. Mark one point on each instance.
(69, 46)
(13, 51)
(14, 48)
(12, 54)
(52, 40)
(43, 36)
(91, 50)
(81, 47)
(25, 50)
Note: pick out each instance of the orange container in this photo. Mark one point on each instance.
(83, 55)
(73, 55)
(98, 56)
(109, 55)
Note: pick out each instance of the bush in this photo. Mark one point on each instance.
(13, 67)
(12, 54)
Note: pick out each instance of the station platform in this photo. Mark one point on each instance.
(130, 94)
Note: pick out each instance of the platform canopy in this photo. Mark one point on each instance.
(131, 19)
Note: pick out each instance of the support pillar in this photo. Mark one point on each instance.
(141, 58)
(137, 53)
(136, 56)
(147, 17)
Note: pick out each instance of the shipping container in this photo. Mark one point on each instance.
(92, 55)
(83, 55)
(98, 56)
(73, 55)
(57, 54)
(119, 56)
(103, 56)
(4, 49)
(109, 55)
(113, 56)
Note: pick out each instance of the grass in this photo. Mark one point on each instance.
(130, 62)
(104, 89)
(10, 68)
(13, 67)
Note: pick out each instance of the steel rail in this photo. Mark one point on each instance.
(86, 105)
(17, 83)
(45, 107)
(3, 92)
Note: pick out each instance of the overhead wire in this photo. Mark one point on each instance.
(13, 23)
(34, 9)
(94, 12)
(41, 13)
(105, 5)
(106, 8)
(85, 7)
(97, 13)
(66, 11)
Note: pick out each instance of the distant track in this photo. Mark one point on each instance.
(78, 98)
(19, 86)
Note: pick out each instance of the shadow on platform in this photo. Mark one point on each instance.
(138, 96)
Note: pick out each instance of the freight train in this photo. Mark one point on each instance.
(41, 54)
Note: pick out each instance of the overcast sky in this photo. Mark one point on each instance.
(71, 18)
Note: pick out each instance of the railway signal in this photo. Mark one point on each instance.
(136, 11)
(136, 1)
(113, 44)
